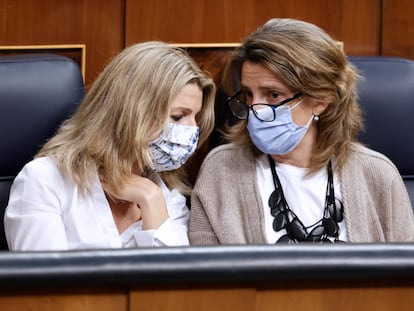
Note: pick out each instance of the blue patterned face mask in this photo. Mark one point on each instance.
(172, 149)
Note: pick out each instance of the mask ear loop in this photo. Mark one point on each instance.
(297, 104)
(312, 118)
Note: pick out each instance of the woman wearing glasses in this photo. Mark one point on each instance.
(109, 178)
(293, 171)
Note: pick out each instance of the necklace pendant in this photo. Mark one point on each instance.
(316, 234)
(286, 239)
(281, 220)
(275, 203)
(297, 230)
(331, 227)
(336, 210)
(275, 199)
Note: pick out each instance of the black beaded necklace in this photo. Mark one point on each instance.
(285, 218)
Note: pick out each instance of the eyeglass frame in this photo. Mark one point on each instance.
(250, 107)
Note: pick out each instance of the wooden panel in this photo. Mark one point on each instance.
(65, 302)
(220, 298)
(361, 27)
(327, 299)
(44, 22)
(398, 28)
(193, 299)
(355, 22)
(292, 299)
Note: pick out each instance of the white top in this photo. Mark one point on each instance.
(304, 194)
(46, 211)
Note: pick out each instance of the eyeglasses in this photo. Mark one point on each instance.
(267, 111)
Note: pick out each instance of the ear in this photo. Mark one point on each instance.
(319, 106)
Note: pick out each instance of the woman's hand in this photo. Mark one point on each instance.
(147, 196)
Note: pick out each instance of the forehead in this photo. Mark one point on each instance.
(254, 75)
(189, 97)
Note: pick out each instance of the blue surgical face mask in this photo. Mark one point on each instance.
(279, 136)
(172, 149)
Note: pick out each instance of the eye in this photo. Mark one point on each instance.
(274, 95)
(247, 94)
(177, 117)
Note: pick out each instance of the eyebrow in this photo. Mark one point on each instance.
(265, 88)
(181, 108)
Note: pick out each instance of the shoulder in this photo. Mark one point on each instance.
(41, 183)
(226, 163)
(41, 166)
(363, 153)
(228, 154)
(371, 161)
(43, 170)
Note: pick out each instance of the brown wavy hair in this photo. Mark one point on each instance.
(308, 61)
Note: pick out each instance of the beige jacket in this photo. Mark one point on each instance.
(226, 207)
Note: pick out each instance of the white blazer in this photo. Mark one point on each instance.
(46, 211)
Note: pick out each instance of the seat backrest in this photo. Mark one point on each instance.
(37, 92)
(387, 99)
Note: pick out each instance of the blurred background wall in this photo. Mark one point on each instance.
(366, 27)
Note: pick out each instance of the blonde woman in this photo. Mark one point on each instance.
(293, 171)
(111, 177)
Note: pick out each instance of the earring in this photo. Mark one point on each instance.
(315, 118)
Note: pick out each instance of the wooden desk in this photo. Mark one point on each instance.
(314, 277)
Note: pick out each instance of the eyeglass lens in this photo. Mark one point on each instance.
(264, 112)
(261, 111)
(239, 109)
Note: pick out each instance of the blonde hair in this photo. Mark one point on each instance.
(125, 109)
(308, 61)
